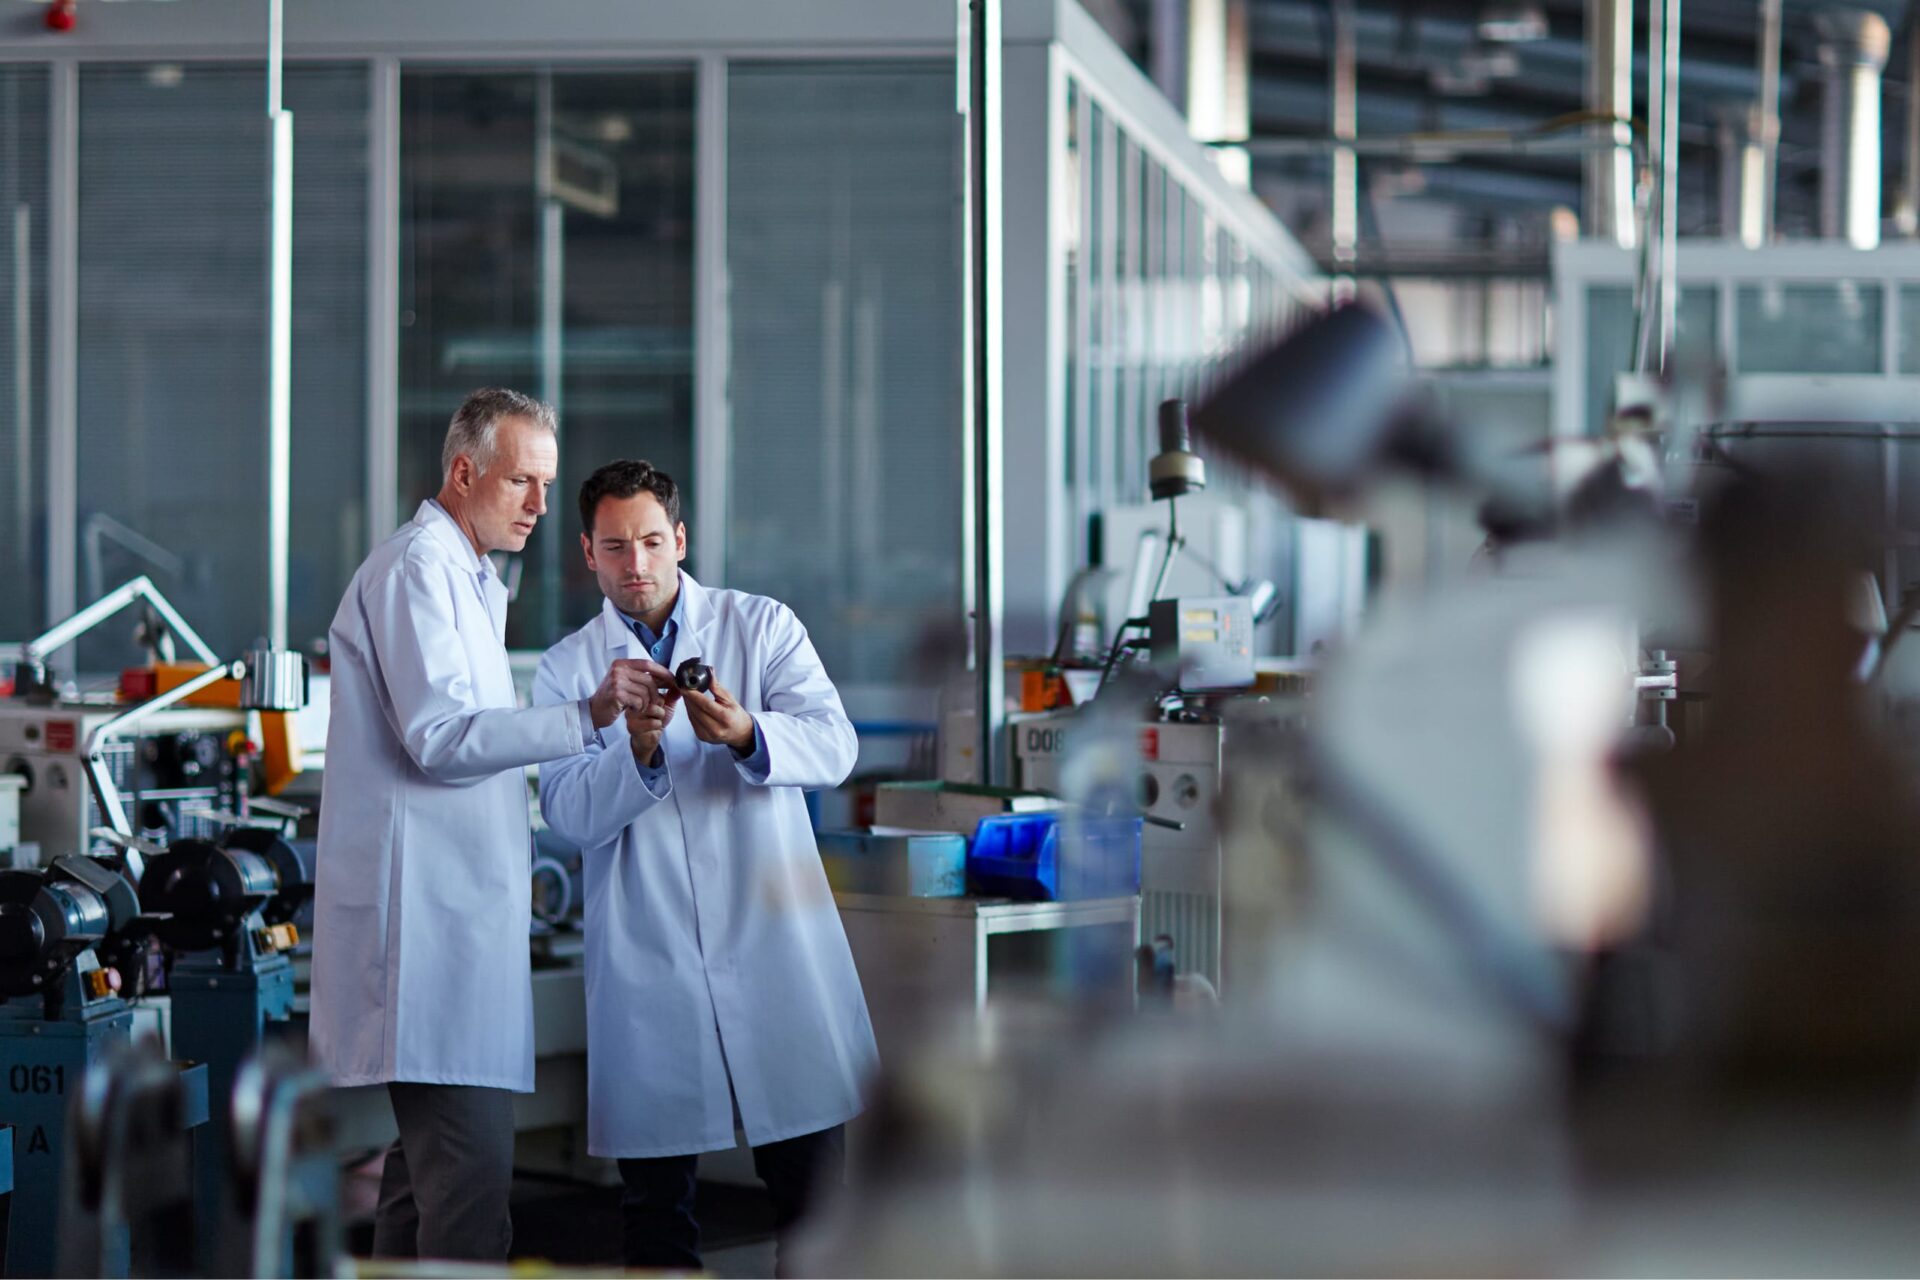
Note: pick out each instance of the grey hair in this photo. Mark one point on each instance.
(475, 429)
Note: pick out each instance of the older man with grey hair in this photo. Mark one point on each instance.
(421, 979)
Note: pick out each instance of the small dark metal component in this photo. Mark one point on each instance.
(33, 681)
(694, 676)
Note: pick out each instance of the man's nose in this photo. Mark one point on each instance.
(538, 504)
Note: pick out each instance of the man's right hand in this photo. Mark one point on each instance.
(627, 687)
(644, 730)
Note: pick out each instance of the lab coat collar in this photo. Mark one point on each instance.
(434, 519)
(694, 609)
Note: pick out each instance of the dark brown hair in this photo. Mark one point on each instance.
(623, 479)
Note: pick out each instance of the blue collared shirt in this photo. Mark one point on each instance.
(660, 649)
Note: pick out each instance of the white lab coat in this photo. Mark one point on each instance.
(713, 945)
(422, 903)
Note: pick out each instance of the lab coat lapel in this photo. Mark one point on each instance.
(694, 641)
(617, 636)
(495, 592)
(698, 619)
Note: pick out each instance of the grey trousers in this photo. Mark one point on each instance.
(444, 1190)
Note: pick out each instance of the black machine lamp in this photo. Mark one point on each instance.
(1175, 472)
(1328, 409)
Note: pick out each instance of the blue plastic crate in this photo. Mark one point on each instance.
(1039, 857)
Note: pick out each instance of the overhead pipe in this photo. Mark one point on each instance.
(1854, 44)
(1296, 25)
(1437, 148)
(1609, 172)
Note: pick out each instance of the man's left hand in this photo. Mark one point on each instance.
(718, 718)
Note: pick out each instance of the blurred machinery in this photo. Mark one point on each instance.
(182, 762)
(1198, 648)
(225, 915)
(11, 785)
(129, 1202)
(128, 1207)
(1178, 786)
(159, 784)
(286, 1171)
(61, 1012)
(1174, 473)
(150, 759)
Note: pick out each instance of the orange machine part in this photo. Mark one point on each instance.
(171, 675)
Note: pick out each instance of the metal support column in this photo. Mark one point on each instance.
(1854, 44)
(980, 62)
(1609, 173)
(279, 332)
(1345, 113)
(25, 482)
(1663, 118)
(712, 422)
(1756, 224)
(552, 217)
(1909, 208)
(383, 299)
(63, 340)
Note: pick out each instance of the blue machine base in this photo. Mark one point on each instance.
(219, 1018)
(41, 1062)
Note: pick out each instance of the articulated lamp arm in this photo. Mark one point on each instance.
(100, 779)
(141, 588)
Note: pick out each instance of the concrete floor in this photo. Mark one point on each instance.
(578, 1225)
(742, 1260)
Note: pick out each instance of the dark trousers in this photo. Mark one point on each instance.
(445, 1188)
(656, 1211)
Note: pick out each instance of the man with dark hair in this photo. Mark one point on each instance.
(625, 479)
(421, 979)
(720, 989)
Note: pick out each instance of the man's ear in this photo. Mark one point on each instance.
(462, 474)
(680, 541)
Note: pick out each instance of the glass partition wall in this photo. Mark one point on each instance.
(172, 312)
(844, 254)
(741, 259)
(1800, 329)
(546, 221)
(546, 235)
